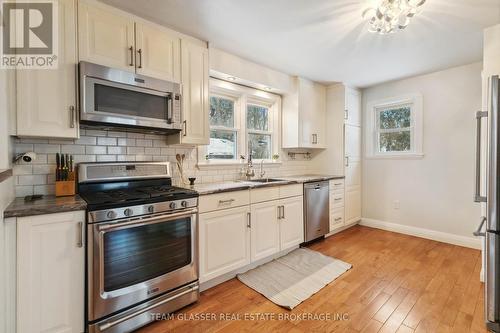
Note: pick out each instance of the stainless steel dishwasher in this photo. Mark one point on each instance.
(316, 209)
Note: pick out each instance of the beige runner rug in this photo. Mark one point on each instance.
(293, 278)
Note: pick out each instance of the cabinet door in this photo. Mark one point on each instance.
(353, 206)
(353, 107)
(307, 115)
(157, 52)
(224, 241)
(50, 273)
(292, 225)
(195, 93)
(265, 231)
(105, 37)
(46, 99)
(352, 143)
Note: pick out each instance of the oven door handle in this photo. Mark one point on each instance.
(148, 220)
(110, 324)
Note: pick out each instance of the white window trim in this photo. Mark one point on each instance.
(371, 139)
(243, 95)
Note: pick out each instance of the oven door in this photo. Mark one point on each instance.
(133, 260)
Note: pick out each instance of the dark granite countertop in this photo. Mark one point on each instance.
(212, 188)
(5, 174)
(48, 204)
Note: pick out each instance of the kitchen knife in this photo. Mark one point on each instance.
(58, 168)
(62, 168)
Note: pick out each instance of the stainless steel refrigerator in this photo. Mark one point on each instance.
(491, 223)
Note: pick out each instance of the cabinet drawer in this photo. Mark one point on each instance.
(337, 199)
(336, 184)
(211, 202)
(294, 190)
(336, 219)
(264, 194)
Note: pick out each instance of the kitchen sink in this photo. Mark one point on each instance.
(265, 180)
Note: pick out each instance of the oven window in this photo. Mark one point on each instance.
(142, 253)
(129, 103)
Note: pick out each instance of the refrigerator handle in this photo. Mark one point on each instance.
(477, 195)
(478, 232)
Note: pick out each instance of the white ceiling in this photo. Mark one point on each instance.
(326, 40)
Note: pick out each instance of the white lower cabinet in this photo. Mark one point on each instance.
(224, 241)
(265, 229)
(291, 222)
(337, 204)
(50, 273)
(235, 237)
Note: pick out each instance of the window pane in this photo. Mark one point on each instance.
(395, 118)
(260, 145)
(222, 145)
(221, 112)
(257, 117)
(395, 141)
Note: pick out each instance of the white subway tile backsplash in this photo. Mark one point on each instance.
(46, 148)
(144, 143)
(89, 132)
(32, 180)
(86, 140)
(135, 150)
(126, 142)
(117, 150)
(72, 149)
(106, 141)
(105, 146)
(106, 158)
(95, 150)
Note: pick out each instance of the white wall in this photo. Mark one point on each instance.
(435, 192)
(6, 187)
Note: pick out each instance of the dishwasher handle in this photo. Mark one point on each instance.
(317, 185)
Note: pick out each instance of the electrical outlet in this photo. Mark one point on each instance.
(395, 204)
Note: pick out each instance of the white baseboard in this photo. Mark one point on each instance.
(471, 242)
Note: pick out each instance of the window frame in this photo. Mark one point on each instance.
(243, 96)
(374, 108)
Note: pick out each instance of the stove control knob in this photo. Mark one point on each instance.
(184, 203)
(151, 209)
(173, 205)
(111, 214)
(128, 212)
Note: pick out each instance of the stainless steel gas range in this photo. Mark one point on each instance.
(142, 250)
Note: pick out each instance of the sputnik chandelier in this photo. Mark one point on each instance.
(391, 15)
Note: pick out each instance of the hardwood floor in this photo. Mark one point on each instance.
(398, 283)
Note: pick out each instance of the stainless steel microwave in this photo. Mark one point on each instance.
(116, 99)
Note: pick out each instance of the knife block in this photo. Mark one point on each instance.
(65, 188)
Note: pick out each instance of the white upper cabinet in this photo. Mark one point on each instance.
(352, 107)
(157, 52)
(304, 116)
(491, 61)
(46, 99)
(51, 273)
(195, 103)
(112, 38)
(106, 37)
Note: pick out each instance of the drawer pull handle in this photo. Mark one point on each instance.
(337, 199)
(337, 184)
(338, 219)
(222, 202)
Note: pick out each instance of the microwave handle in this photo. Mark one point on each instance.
(170, 107)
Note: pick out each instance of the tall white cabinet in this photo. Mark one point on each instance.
(343, 156)
(303, 116)
(46, 99)
(51, 273)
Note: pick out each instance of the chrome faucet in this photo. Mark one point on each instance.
(262, 172)
(249, 172)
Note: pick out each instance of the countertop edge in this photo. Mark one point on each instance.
(5, 174)
(17, 209)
